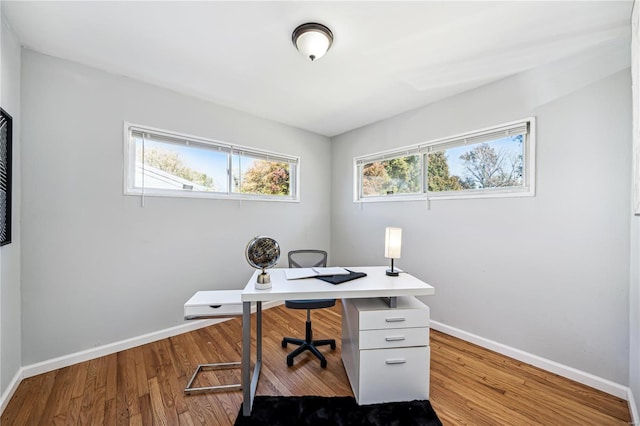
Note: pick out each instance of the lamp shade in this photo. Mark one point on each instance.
(312, 40)
(393, 243)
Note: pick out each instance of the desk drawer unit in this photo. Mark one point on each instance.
(394, 338)
(385, 350)
(372, 317)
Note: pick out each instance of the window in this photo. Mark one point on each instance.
(168, 164)
(400, 175)
(493, 162)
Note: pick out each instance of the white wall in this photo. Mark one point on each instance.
(99, 268)
(10, 330)
(548, 275)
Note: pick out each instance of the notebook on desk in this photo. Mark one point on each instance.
(342, 278)
(315, 272)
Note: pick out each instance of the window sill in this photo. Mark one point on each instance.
(210, 196)
(449, 196)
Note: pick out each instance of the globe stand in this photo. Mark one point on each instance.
(264, 281)
(263, 253)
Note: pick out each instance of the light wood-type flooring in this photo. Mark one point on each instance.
(144, 385)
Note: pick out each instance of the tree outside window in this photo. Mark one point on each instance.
(494, 162)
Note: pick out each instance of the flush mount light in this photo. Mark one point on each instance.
(312, 40)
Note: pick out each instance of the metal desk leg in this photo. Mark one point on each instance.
(259, 334)
(247, 397)
(391, 301)
(249, 384)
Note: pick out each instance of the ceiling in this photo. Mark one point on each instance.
(388, 57)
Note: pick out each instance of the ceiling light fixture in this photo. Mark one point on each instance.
(312, 40)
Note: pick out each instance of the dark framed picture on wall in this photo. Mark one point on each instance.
(6, 133)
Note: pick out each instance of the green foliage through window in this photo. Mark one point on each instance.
(493, 164)
(439, 177)
(483, 163)
(395, 176)
(263, 177)
(162, 163)
(173, 164)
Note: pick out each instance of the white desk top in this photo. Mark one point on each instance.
(216, 297)
(375, 284)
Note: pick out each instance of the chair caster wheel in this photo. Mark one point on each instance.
(289, 362)
(333, 345)
(323, 363)
(284, 343)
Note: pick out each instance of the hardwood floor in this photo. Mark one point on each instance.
(144, 385)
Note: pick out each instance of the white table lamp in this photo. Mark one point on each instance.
(392, 247)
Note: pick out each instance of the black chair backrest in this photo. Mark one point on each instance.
(307, 258)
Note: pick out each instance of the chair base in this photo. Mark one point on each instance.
(308, 344)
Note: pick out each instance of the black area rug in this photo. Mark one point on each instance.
(317, 410)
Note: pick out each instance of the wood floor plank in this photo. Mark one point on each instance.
(110, 377)
(146, 411)
(98, 407)
(485, 403)
(79, 378)
(127, 385)
(494, 385)
(136, 420)
(200, 408)
(465, 368)
(72, 415)
(87, 395)
(470, 385)
(22, 397)
(110, 417)
(185, 419)
(140, 370)
(160, 415)
(168, 379)
(57, 404)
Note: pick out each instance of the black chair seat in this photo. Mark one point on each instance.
(310, 304)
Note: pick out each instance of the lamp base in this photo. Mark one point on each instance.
(392, 272)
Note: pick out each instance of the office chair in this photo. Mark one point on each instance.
(308, 259)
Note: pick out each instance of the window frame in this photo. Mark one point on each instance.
(477, 136)
(231, 149)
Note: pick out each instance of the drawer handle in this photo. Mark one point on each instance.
(395, 319)
(394, 338)
(396, 361)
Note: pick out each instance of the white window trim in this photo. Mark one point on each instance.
(529, 154)
(129, 168)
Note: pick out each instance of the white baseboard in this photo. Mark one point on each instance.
(11, 389)
(635, 416)
(554, 367)
(108, 349)
(86, 355)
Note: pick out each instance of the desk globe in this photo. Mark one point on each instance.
(263, 253)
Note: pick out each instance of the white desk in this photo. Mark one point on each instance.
(375, 284)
